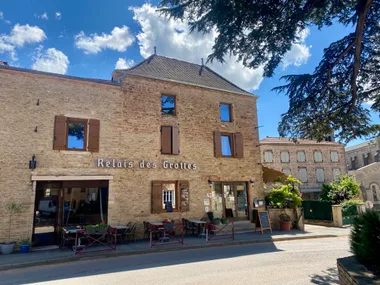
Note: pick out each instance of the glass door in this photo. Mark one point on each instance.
(241, 200)
(229, 200)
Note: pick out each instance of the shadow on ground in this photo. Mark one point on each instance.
(328, 276)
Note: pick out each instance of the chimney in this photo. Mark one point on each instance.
(3, 63)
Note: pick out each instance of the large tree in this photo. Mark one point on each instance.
(260, 32)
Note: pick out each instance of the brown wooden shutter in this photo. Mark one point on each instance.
(217, 144)
(238, 139)
(231, 113)
(93, 135)
(156, 197)
(166, 140)
(184, 194)
(175, 140)
(60, 139)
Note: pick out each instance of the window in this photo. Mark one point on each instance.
(228, 145)
(284, 156)
(353, 162)
(320, 174)
(336, 173)
(174, 192)
(225, 112)
(168, 105)
(302, 174)
(317, 156)
(168, 194)
(334, 156)
(366, 158)
(374, 193)
(169, 140)
(287, 171)
(268, 156)
(76, 134)
(301, 157)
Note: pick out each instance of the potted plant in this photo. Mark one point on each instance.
(102, 228)
(216, 221)
(7, 247)
(285, 222)
(91, 229)
(25, 245)
(224, 221)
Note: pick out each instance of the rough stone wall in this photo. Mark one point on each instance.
(370, 147)
(312, 185)
(130, 120)
(351, 272)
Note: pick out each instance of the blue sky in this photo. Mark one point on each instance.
(89, 38)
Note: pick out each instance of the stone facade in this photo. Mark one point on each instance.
(310, 187)
(130, 120)
(363, 154)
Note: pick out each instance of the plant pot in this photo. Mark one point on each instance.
(216, 222)
(91, 231)
(7, 248)
(24, 248)
(102, 231)
(224, 222)
(285, 225)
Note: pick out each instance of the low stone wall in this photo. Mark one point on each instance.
(352, 272)
(275, 217)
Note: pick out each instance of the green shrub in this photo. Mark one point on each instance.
(365, 240)
(349, 207)
(286, 195)
(339, 191)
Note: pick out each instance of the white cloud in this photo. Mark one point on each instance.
(58, 15)
(1, 15)
(299, 53)
(51, 60)
(119, 39)
(123, 63)
(18, 37)
(43, 16)
(173, 39)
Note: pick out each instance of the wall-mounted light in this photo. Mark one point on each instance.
(210, 183)
(251, 181)
(33, 162)
(36, 129)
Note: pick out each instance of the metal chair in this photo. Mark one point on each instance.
(67, 238)
(131, 232)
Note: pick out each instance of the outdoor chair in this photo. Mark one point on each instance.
(188, 226)
(130, 233)
(67, 239)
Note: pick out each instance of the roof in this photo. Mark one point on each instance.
(93, 80)
(170, 69)
(291, 141)
(360, 145)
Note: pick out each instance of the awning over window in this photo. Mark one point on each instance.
(271, 175)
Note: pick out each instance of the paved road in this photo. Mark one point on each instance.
(310, 261)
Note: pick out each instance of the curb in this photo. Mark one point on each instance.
(90, 256)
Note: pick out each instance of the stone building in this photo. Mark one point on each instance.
(164, 139)
(363, 162)
(314, 163)
(363, 154)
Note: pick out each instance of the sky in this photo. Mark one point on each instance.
(92, 38)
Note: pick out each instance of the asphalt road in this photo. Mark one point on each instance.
(310, 261)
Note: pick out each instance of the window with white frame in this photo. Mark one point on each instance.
(301, 157)
(168, 194)
(284, 156)
(320, 174)
(287, 171)
(334, 156)
(317, 156)
(302, 174)
(268, 156)
(336, 173)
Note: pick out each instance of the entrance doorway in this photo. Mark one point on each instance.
(65, 203)
(230, 200)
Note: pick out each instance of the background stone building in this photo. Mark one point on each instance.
(314, 163)
(363, 154)
(163, 132)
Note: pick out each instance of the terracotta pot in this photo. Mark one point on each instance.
(285, 226)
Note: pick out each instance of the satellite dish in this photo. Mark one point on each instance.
(368, 204)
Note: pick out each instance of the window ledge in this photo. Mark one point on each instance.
(75, 152)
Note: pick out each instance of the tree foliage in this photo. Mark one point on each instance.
(346, 188)
(260, 32)
(285, 195)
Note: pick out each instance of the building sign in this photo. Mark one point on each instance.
(116, 163)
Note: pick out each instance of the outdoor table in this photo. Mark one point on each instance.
(166, 235)
(71, 229)
(96, 238)
(198, 223)
(120, 230)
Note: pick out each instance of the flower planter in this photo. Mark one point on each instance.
(7, 248)
(285, 225)
(216, 222)
(102, 231)
(24, 248)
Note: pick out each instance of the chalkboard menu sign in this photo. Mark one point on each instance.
(264, 221)
(169, 207)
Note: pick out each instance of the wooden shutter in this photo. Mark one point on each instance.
(184, 196)
(60, 139)
(301, 156)
(238, 139)
(175, 140)
(268, 157)
(284, 156)
(93, 135)
(320, 175)
(217, 144)
(156, 197)
(166, 140)
(302, 174)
